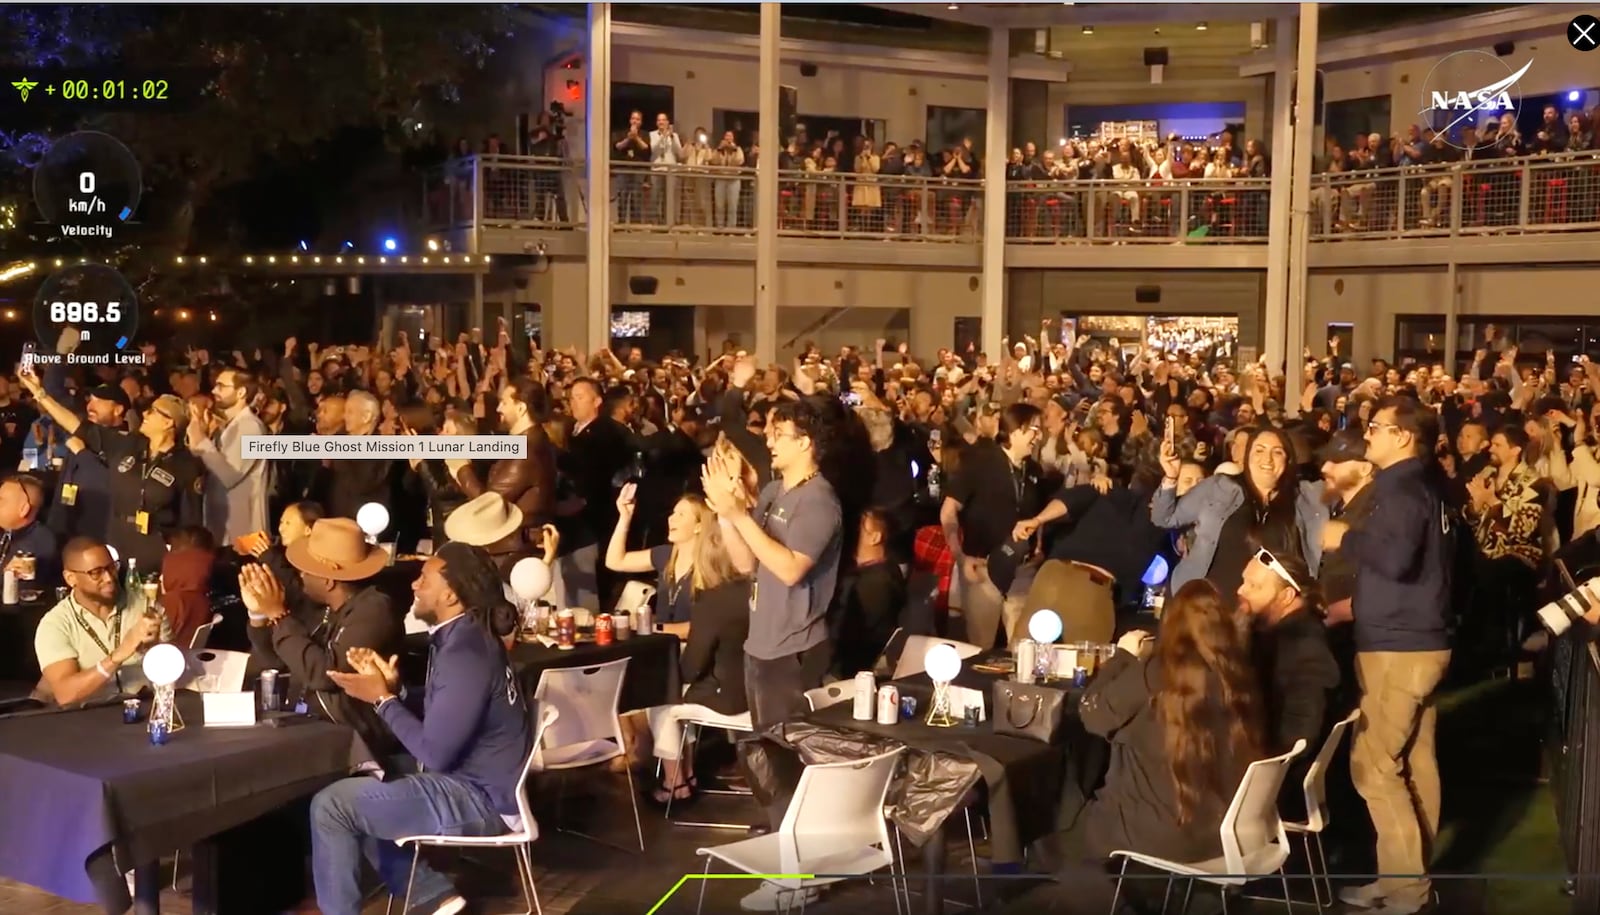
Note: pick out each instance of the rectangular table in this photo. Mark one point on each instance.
(84, 796)
(653, 676)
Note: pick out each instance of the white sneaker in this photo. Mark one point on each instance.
(773, 898)
(450, 906)
(1365, 896)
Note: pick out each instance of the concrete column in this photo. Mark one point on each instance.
(597, 160)
(475, 314)
(1275, 342)
(1452, 307)
(1300, 236)
(994, 194)
(766, 202)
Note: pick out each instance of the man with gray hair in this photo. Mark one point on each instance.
(356, 482)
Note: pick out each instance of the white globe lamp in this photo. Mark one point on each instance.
(531, 578)
(943, 665)
(373, 519)
(163, 665)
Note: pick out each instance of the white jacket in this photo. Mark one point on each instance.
(1582, 472)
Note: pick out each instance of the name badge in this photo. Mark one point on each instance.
(69, 494)
(141, 520)
(162, 477)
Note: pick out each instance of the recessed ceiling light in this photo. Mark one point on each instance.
(1158, 30)
(953, 6)
(1199, 26)
(1088, 30)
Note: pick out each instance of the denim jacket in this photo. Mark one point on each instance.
(1208, 506)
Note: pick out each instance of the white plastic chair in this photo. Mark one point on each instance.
(520, 841)
(635, 594)
(1254, 842)
(685, 740)
(203, 634)
(913, 656)
(589, 732)
(1317, 810)
(834, 826)
(834, 693)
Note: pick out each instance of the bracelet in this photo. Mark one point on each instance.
(100, 668)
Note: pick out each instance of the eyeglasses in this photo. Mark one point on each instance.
(108, 571)
(1265, 557)
(1374, 426)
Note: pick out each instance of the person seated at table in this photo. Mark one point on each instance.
(868, 608)
(694, 542)
(334, 562)
(91, 644)
(470, 732)
(1184, 714)
(712, 663)
(494, 524)
(186, 582)
(22, 499)
(293, 524)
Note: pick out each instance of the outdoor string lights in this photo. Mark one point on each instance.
(287, 263)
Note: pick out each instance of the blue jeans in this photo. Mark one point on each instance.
(359, 816)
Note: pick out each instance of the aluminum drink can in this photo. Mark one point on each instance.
(1027, 657)
(908, 707)
(642, 622)
(888, 704)
(566, 630)
(866, 695)
(269, 690)
(1080, 676)
(130, 711)
(158, 733)
(604, 631)
(622, 623)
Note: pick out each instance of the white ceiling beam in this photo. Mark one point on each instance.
(862, 57)
(1474, 31)
(1045, 15)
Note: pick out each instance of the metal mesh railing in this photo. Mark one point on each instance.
(509, 191)
(1105, 212)
(1538, 194)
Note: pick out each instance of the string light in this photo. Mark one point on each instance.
(19, 269)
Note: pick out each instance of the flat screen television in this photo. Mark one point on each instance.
(627, 325)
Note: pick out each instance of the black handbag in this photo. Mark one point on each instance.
(1027, 710)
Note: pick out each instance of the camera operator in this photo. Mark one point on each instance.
(547, 140)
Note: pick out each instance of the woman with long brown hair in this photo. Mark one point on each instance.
(1183, 713)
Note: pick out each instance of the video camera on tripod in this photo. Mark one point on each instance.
(558, 120)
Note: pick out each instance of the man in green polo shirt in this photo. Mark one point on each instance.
(91, 644)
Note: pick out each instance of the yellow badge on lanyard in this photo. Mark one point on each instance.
(69, 494)
(141, 520)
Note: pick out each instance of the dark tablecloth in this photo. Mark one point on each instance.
(653, 677)
(74, 785)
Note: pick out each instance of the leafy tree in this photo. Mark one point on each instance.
(273, 82)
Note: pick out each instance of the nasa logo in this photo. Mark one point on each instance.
(1448, 106)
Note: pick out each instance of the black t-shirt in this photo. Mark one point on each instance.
(994, 495)
(168, 487)
(16, 418)
(1111, 531)
(674, 599)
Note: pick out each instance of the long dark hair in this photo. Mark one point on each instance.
(1273, 519)
(1207, 688)
(471, 574)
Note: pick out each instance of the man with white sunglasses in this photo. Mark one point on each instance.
(1278, 597)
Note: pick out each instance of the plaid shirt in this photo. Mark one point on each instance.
(932, 553)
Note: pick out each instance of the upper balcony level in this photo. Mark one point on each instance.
(1514, 210)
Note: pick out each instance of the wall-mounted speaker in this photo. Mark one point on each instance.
(1505, 48)
(1147, 295)
(1155, 57)
(808, 70)
(643, 285)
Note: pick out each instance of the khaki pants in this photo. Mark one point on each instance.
(984, 609)
(1393, 764)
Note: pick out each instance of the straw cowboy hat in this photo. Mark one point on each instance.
(337, 549)
(484, 521)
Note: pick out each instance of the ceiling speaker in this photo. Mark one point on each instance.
(1155, 57)
(643, 285)
(1147, 295)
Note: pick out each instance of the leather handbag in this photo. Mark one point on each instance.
(1028, 710)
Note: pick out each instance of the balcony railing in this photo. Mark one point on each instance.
(1535, 194)
(1541, 195)
(1211, 211)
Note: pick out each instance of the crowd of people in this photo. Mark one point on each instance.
(793, 517)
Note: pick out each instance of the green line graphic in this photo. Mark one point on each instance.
(687, 877)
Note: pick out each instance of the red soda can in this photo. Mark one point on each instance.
(566, 630)
(603, 629)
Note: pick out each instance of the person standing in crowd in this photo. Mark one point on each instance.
(791, 546)
(527, 482)
(91, 643)
(871, 599)
(82, 506)
(1402, 595)
(354, 483)
(466, 738)
(1505, 507)
(236, 486)
(597, 451)
(156, 484)
(998, 486)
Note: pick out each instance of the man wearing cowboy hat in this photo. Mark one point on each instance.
(494, 524)
(334, 561)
